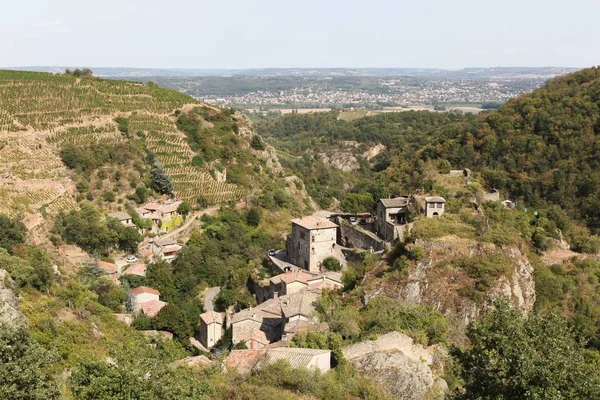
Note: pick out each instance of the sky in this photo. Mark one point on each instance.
(300, 34)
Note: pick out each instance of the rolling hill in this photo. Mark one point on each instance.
(42, 114)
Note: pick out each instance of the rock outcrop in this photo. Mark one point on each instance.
(9, 304)
(344, 161)
(404, 368)
(429, 283)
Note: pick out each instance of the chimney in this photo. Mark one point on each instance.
(288, 271)
(276, 295)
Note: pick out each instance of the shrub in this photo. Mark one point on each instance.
(332, 264)
(12, 232)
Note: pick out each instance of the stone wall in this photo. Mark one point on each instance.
(355, 238)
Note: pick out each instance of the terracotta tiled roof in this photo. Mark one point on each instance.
(152, 307)
(314, 223)
(211, 317)
(244, 360)
(136, 269)
(144, 289)
(295, 276)
(107, 267)
(164, 242)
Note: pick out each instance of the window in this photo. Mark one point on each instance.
(303, 235)
(431, 205)
(439, 205)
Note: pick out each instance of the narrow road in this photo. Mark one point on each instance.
(209, 298)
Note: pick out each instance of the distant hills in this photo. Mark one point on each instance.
(464, 73)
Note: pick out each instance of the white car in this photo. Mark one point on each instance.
(132, 259)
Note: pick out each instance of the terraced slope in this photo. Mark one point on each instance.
(41, 113)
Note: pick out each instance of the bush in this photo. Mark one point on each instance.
(12, 232)
(253, 217)
(257, 143)
(173, 319)
(332, 264)
(24, 367)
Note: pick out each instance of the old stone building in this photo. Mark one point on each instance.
(390, 214)
(312, 240)
(434, 206)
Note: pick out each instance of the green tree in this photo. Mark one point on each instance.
(173, 319)
(23, 367)
(358, 202)
(253, 217)
(184, 208)
(12, 232)
(159, 180)
(513, 356)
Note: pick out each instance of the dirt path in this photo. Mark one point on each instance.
(188, 223)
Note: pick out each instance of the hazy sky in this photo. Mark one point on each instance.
(302, 33)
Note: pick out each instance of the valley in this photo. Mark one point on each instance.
(338, 254)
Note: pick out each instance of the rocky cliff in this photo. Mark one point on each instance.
(406, 370)
(437, 280)
(9, 304)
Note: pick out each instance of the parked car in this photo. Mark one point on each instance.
(353, 220)
(272, 252)
(132, 259)
(363, 221)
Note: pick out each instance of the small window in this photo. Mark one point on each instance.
(303, 235)
(431, 205)
(439, 205)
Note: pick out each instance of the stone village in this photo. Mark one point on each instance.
(285, 302)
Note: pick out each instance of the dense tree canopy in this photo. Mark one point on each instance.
(525, 357)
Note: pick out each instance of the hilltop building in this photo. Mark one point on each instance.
(391, 213)
(434, 206)
(312, 240)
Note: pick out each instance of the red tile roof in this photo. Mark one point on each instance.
(211, 317)
(144, 289)
(107, 267)
(314, 223)
(152, 307)
(136, 269)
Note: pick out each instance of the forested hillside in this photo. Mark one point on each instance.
(539, 149)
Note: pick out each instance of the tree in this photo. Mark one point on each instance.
(253, 217)
(23, 367)
(159, 180)
(141, 195)
(525, 357)
(358, 202)
(257, 143)
(129, 239)
(173, 319)
(184, 208)
(12, 232)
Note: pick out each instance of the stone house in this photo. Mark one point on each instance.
(434, 206)
(124, 218)
(211, 328)
(274, 318)
(390, 214)
(165, 248)
(312, 240)
(141, 295)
